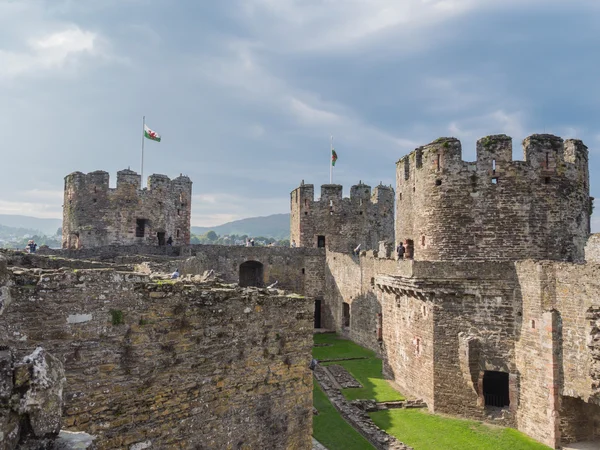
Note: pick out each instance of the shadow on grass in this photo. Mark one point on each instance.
(330, 429)
(337, 347)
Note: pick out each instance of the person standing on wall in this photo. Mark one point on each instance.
(400, 250)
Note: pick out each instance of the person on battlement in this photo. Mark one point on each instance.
(31, 246)
(400, 250)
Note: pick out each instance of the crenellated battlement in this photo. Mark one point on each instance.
(95, 214)
(341, 223)
(543, 154)
(359, 194)
(495, 207)
(99, 180)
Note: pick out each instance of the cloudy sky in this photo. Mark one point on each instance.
(246, 93)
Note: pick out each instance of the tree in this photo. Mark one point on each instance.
(211, 236)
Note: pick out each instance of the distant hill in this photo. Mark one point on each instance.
(276, 226)
(43, 226)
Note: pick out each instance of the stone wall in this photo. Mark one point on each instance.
(442, 328)
(167, 364)
(592, 248)
(350, 279)
(495, 208)
(299, 270)
(344, 223)
(561, 319)
(447, 324)
(96, 215)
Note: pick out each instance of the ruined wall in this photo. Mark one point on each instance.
(561, 319)
(495, 208)
(445, 323)
(299, 270)
(169, 365)
(363, 218)
(351, 279)
(408, 343)
(96, 215)
(592, 248)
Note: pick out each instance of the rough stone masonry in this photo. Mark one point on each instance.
(168, 364)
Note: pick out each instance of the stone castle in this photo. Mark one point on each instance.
(492, 314)
(95, 215)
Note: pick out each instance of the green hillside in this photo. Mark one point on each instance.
(276, 226)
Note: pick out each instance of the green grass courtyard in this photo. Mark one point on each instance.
(415, 427)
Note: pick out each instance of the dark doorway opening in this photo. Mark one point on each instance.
(140, 227)
(346, 315)
(251, 274)
(495, 389)
(317, 313)
(161, 237)
(321, 241)
(410, 249)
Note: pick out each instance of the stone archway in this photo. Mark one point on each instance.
(251, 274)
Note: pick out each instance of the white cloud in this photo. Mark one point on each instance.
(51, 51)
(311, 115)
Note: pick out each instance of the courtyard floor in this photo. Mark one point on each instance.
(415, 427)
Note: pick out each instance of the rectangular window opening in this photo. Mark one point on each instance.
(493, 165)
(140, 227)
(321, 241)
(437, 164)
(495, 180)
(177, 233)
(346, 314)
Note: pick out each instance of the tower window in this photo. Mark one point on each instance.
(495, 180)
(177, 232)
(493, 166)
(437, 164)
(438, 182)
(321, 241)
(140, 227)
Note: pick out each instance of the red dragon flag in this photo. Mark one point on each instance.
(152, 135)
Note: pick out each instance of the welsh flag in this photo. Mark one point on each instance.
(333, 157)
(152, 135)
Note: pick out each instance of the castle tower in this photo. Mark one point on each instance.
(341, 224)
(96, 215)
(495, 208)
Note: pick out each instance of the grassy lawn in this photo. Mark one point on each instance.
(338, 348)
(414, 427)
(366, 371)
(331, 430)
(424, 431)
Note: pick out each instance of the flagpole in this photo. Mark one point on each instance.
(331, 162)
(143, 130)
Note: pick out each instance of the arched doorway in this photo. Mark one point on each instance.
(251, 274)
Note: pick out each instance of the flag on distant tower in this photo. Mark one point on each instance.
(333, 157)
(152, 135)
